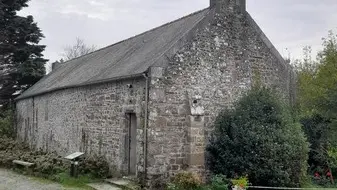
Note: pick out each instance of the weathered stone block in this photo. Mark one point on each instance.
(157, 72)
(161, 122)
(158, 95)
(197, 159)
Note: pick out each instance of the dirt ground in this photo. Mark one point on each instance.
(12, 181)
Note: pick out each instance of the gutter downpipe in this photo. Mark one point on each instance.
(146, 125)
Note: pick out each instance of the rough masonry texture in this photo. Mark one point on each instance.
(89, 119)
(200, 65)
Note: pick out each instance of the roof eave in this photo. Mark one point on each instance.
(22, 97)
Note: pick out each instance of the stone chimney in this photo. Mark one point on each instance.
(223, 4)
(55, 65)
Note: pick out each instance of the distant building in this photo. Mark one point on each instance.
(148, 103)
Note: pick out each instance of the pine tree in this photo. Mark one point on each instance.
(21, 58)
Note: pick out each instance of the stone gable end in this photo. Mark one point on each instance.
(225, 56)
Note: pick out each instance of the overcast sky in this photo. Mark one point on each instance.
(289, 24)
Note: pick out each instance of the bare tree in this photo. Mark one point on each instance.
(77, 50)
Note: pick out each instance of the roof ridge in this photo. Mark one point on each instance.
(173, 31)
(135, 36)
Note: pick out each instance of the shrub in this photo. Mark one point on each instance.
(10, 150)
(317, 130)
(97, 166)
(46, 164)
(219, 182)
(242, 182)
(185, 181)
(6, 123)
(259, 139)
(49, 165)
(9, 144)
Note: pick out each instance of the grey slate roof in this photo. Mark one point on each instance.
(130, 57)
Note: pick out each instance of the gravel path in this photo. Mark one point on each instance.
(13, 181)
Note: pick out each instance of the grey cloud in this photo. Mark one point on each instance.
(288, 23)
(295, 24)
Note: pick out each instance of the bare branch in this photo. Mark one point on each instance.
(77, 50)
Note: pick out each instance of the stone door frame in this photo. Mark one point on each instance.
(131, 143)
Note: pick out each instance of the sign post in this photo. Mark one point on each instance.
(74, 158)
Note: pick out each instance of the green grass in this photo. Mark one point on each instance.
(67, 181)
(62, 178)
(309, 184)
(41, 180)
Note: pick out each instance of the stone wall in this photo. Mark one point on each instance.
(223, 60)
(89, 119)
(224, 55)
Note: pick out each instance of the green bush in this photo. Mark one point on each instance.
(97, 166)
(241, 182)
(10, 150)
(219, 182)
(317, 130)
(45, 164)
(185, 181)
(9, 144)
(6, 123)
(259, 139)
(49, 165)
(190, 181)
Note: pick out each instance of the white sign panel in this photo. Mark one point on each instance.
(74, 155)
